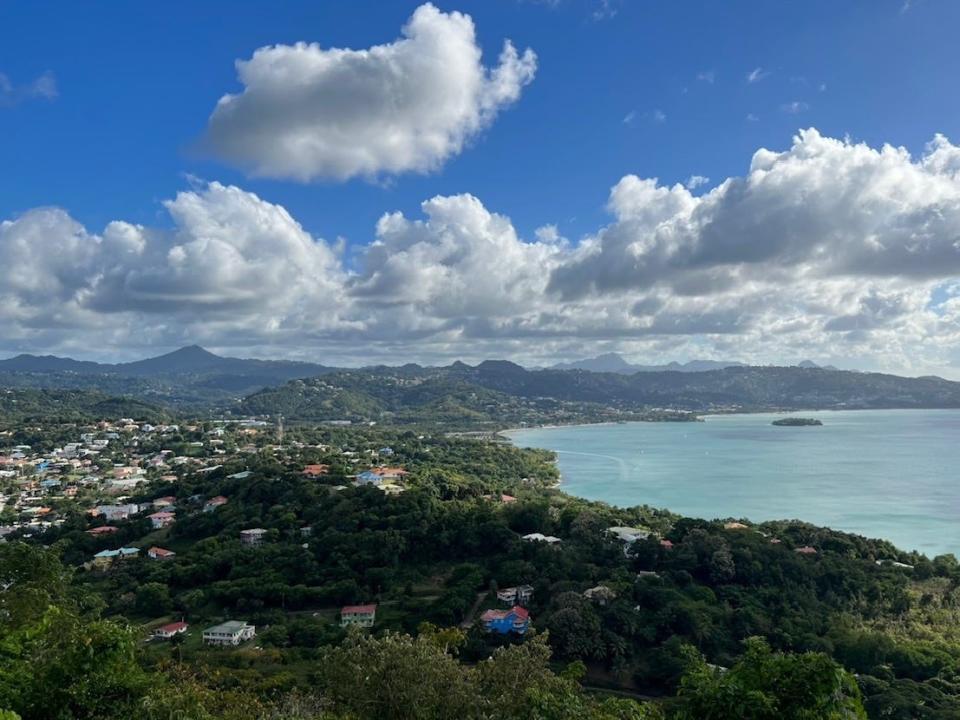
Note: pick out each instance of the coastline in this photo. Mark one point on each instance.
(796, 478)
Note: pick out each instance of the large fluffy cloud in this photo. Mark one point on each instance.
(306, 112)
(232, 266)
(830, 249)
(824, 208)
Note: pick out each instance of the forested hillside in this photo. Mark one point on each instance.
(51, 406)
(507, 393)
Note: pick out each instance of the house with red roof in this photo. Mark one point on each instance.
(359, 615)
(213, 503)
(515, 620)
(102, 530)
(165, 632)
(316, 471)
(159, 553)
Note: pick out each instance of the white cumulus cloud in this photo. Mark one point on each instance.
(306, 112)
(828, 248)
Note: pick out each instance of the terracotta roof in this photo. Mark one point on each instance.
(358, 609)
(516, 610)
(172, 627)
(102, 530)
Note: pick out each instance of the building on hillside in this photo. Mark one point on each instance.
(735, 526)
(629, 534)
(213, 503)
(253, 537)
(115, 512)
(515, 620)
(232, 632)
(102, 530)
(540, 537)
(359, 615)
(806, 550)
(165, 632)
(106, 558)
(316, 471)
(390, 473)
(159, 553)
(164, 502)
(368, 477)
(519, 595)
(161, 519)
(600, 594)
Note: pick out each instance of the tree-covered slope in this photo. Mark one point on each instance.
(26, 405)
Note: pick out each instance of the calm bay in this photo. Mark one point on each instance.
(892, 474)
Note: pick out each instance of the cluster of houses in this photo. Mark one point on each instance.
(105, 462)
(516, 619)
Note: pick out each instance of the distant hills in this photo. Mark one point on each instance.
(190, 376)
(192, 359)
(194, 379)
(614, 362)
(362, 394)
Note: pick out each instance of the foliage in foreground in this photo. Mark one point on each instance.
(59, 660)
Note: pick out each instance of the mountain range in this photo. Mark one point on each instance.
(190, 359)
(616, 363)
(193, 379)
(188, 377)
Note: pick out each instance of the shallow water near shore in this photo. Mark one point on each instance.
(892, 474)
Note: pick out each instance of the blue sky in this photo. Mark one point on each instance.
(137, 82)
(664, 90)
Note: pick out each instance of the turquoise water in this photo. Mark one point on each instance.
(892, 474)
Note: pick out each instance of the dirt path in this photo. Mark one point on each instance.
(468, 620)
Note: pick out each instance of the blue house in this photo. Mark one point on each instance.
(369, 478)
(515, 620)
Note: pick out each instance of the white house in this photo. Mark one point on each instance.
(252, 537)
(629, 534)
(360, 615)
(165, 632)
(540, 537)
(232, 632)
(519, 595)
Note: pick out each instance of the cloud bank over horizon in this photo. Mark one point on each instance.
(829, 249)
(309, 113)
